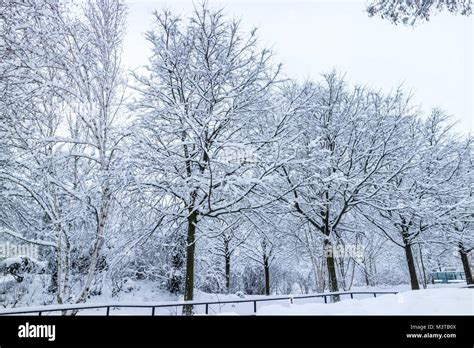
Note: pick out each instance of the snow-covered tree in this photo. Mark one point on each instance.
(346, 152)
(64, 139)
(456, 223)
(412, 204)
(206, 86)
(412, 11)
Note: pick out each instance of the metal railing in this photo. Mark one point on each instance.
(153, 306)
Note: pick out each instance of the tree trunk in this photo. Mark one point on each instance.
(227, 271)
(410, 259)
(317, 278)
(465, 264)
(329, 249)
(191, 246)
(266, 267)
(94, 258)
(54, 284)
(333, 287)
(366, 272)
(59, 267)
(342, 271)
(425, 279)
(411, 267)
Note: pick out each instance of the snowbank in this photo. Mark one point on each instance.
(445, 301)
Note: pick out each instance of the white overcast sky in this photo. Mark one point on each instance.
(433, 60)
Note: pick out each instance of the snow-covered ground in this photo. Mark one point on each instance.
(438, 299)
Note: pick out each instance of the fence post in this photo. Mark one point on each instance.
(207, 308)
(152, 311)
(255, 306)
(352, 295)
(375, 294)
(39, 313)
(108, 310)
(325, 299)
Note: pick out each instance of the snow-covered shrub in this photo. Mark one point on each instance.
(253, 282)
(17, 267)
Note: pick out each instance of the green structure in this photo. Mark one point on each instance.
(447, 277)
